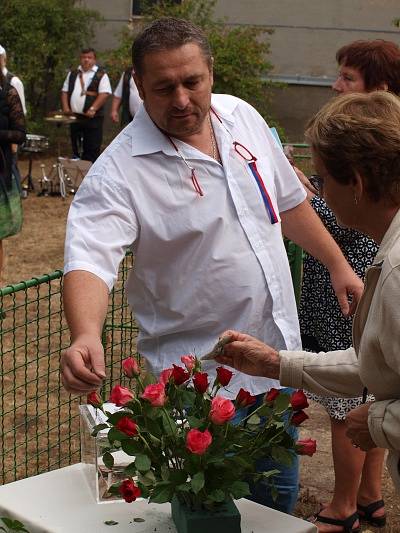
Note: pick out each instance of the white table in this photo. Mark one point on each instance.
(61, 502)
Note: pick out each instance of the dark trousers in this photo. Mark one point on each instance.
(86, 138)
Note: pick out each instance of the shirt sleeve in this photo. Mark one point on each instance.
(19, 86)
(101, 226)
(66, 82)
(328, 374)
(118, 89)
(105, 85)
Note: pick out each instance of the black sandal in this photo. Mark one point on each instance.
(347, 523)
(367, 512)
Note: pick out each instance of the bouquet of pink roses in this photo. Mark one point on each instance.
(179, 433)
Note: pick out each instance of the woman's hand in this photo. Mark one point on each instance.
(357, 428)
(249, 355)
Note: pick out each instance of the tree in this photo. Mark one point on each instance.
(42, 38)
(239, 52)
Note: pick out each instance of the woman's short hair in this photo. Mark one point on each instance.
(360, 134)
(378, 62)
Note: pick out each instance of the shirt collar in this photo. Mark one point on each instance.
(146, 138)
(95, 68)
(392, 234)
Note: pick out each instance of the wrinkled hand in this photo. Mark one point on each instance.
(346, 285)
(82, 365)
(357, 428)
(249, 355)
(308, 186)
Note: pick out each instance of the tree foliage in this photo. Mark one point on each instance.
(42, 39)
(240, 52)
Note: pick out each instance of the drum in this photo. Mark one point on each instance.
(35, 143)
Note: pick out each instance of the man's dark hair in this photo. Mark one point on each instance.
(166, 34)
(378, 62)
(88, 51)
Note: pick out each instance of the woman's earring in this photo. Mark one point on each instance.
(355, 200)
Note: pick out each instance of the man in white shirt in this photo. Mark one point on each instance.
(126, 97)
(84, 93)
(200, 191)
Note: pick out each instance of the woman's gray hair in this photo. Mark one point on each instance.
(166, 34)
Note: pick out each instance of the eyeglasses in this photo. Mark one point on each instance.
(318, 183)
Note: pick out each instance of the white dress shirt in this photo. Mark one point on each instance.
(19, 87)
(202, 264)
(134, 98)
(77, 98)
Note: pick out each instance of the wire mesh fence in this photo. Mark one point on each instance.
(39, 426)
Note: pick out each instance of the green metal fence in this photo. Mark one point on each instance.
(39, 426)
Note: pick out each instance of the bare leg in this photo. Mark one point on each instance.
(370, 489)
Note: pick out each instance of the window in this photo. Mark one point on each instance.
(137, 6)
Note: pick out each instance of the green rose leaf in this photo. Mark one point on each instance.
(108, 460)
(177, 477)
(184, 487)
(270, 473)
(194, 422)
(148, 479)
(169, 425)
(197, 482)
(162, 493)
(239, 489)
(282, 455)
(130, 470)
(254, 420)
(142, 463)
(98, 428)
(131, 447)
(281, 403)
(217, 495)
(115, 435)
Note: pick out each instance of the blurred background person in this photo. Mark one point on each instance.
(12, 130)
(363, 66)
(85, 91)
(125, 98)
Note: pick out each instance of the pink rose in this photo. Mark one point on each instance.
(130, 367)
(221, 410)
(179, 375)
(155, 394)
(120, 395)
(298, 418)
(298, 400)
(165, 375)
(127, 426)
(200, 382)
(189, 361)
(306, 447)
(198, 441)
(93, 398)
(271, 395)
(245, 399)
(129, 491)
(224, 376)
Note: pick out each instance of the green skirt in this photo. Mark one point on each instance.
(10, 210)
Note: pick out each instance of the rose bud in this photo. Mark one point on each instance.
(245, 399)
(222, 410)
(155, 394)
(306, 447)
(298, 400)
(298, 418)
(189, 361)
(120, 395)
(200, 382)
(165, 375)
(129, 491)
(271, 395)
(127, 426)
(179, 375)
(130, 367)
(93, 398)
(224, 376)
(198, 441)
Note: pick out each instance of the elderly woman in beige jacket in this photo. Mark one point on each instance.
(355, 142)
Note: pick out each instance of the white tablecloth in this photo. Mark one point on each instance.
(61, 502)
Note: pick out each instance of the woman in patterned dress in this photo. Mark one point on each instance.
(364, 66)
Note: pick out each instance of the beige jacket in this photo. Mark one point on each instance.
(374, 362)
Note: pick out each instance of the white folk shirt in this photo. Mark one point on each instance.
(77, 99)
(19, 87)
(202, 264)
(134, 98)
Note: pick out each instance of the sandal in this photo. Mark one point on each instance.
(367, 512)
(347, 523)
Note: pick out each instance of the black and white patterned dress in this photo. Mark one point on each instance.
(322, 325)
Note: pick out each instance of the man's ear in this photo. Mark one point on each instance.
(139, 85)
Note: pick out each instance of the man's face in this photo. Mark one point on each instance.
(176, 89)
(87, 61)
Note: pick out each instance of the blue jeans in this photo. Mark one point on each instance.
(286, 482)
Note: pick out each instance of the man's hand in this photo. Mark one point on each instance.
(82, 365)
(249, 355)
(114, 116)
(347, 285)
(357, 428)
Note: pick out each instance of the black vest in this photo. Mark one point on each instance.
(126, 116)
(93, 87)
